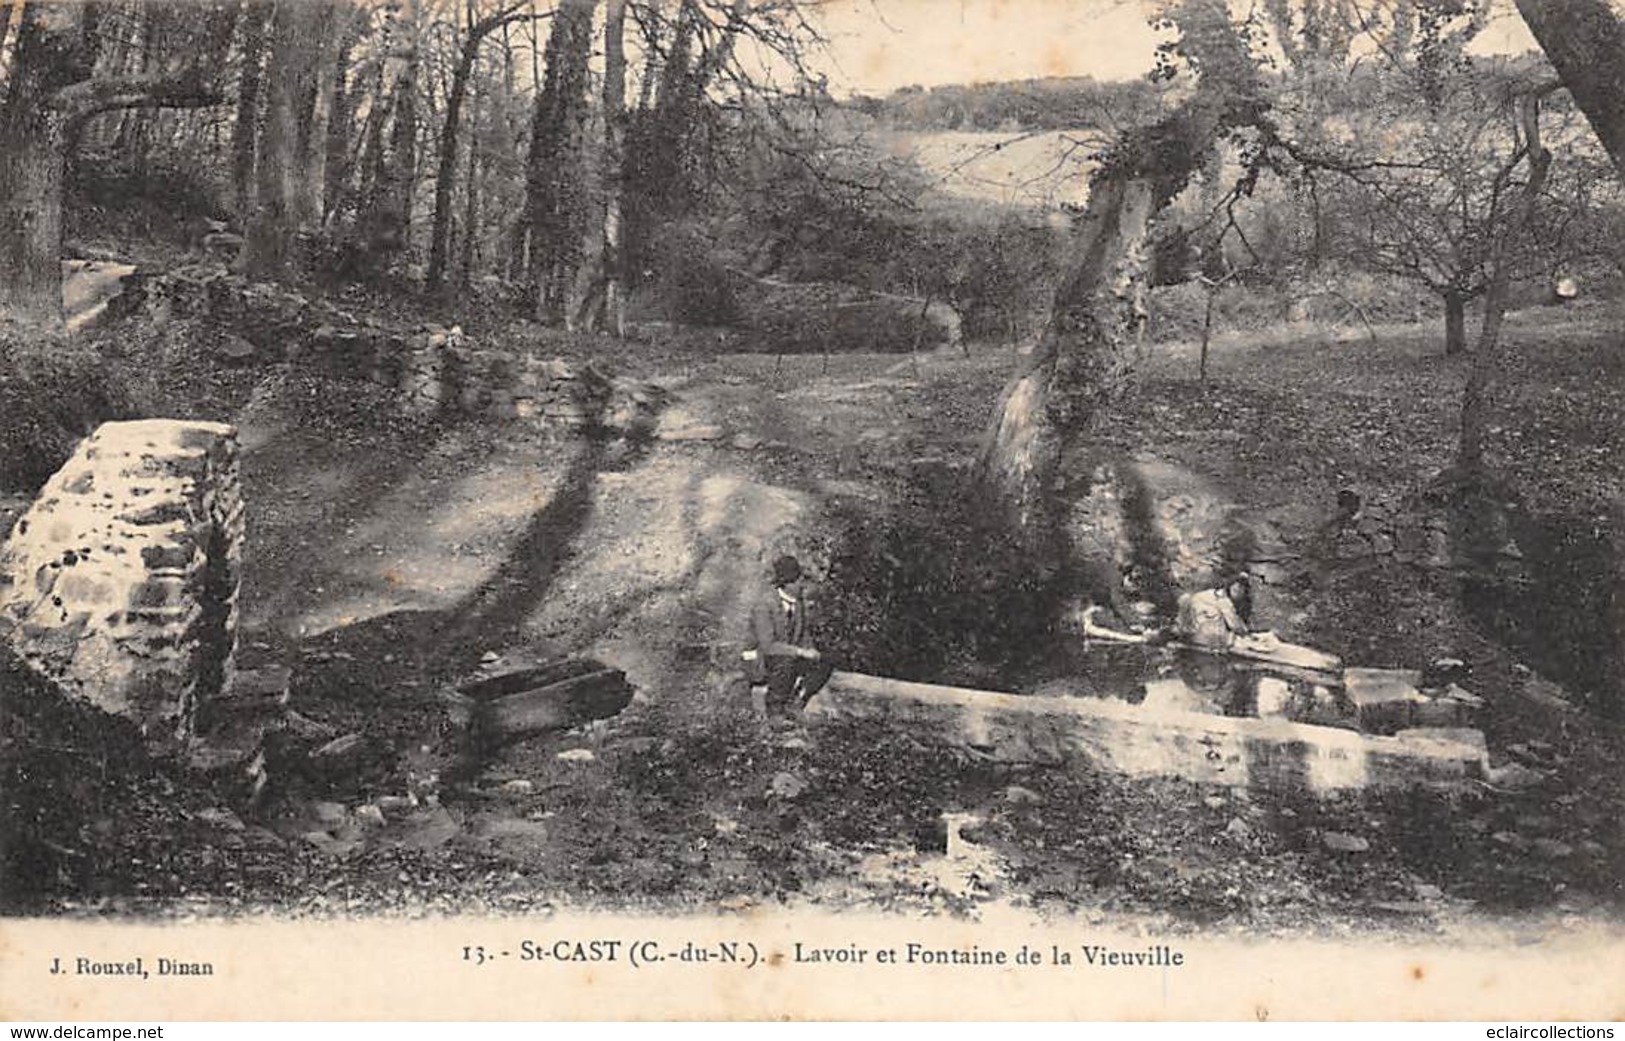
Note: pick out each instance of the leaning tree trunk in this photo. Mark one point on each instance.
(1083, 360)
(1585, 42)
(446, 171)
(1616, 521)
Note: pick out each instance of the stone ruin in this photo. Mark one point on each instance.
(434, 370)
(120, 582)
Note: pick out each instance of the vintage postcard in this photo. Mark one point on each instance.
(812, 510)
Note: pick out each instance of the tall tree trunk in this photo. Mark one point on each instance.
(614, 161)
(52, 91)
(313, 113)
(402, 164)
(597, 292)
(471, 205)
(244, 129)
(386, 205)
(285, 182)
(336, 168)
(31, 164)
(446, 174)
(1455, 323)
(1585, 42)
(557, 199)
(654, 151)
(371, 158)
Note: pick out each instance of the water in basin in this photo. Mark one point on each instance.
(1165, 679)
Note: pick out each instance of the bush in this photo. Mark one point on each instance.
(937, 594)
(156, 201)
(688, 283)
(52, 393)
(1176, 312)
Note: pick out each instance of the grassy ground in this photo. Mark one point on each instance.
(388, 557)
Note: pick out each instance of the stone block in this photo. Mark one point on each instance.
(1440, 712)
(1450, 734)
(110, 585)
(160, 592)
(170, 556)
(271, 682)
(1385, 700)
(1269, 573)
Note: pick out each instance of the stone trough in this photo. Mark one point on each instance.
(1147, 741)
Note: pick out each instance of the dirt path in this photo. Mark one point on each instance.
(87, 286)
(466, 542)
(428, 550)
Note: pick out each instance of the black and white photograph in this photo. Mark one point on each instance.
(927, 492)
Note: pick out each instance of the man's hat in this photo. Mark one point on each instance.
(786, 569)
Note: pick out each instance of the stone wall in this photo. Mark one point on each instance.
(436, 370)
(120, 582)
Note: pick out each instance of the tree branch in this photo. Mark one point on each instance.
(87, 98)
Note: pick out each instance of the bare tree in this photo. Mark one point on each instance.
(1429, 193)
(446, 172)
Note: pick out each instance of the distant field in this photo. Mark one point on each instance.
(1039, 169)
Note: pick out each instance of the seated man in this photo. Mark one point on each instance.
(786, 660)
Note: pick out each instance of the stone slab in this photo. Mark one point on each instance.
(1252, 753)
